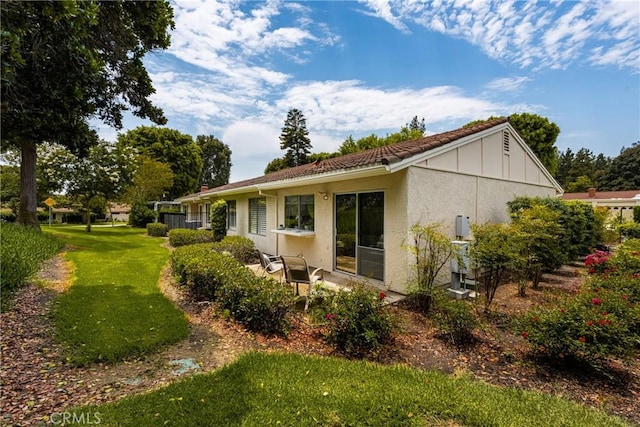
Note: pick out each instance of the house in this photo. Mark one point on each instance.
(351, 215)
(619, 203)
(118, 212)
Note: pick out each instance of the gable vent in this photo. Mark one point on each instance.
(505, 141)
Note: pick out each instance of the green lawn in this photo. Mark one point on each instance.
(114, 308)
(293, 390)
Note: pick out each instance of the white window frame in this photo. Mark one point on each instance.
(258, 216)
(232, 214)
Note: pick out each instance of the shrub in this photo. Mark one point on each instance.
(636, 214)
(597, 262)
(203, 270)
(157, 229)
(358, 322)
(219, 219)
(262, 305)
(182, 237)
(7, 217)
(495, 251)
(242, 248)
(577, 219)
(141, 215)
(454, 319)
(22, 252)
(431, 250)
(629, 230)
(589, 327)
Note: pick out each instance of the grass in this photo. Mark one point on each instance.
(289, 389)
(114, 308)
(22, 252)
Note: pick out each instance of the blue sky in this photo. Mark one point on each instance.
(234, 70)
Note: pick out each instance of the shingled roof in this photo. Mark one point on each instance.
(384, 155)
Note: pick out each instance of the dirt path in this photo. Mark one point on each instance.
(36, 382)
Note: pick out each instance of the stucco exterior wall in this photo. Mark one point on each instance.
(436, 196)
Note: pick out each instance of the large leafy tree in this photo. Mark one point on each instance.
(216, 157)
(295, 138)
(624, 171)
(540, 134)
(169, 146)
(151, 181)
(64, 63)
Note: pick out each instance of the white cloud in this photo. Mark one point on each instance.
(530, 34)
(507, 84)
(382, 9)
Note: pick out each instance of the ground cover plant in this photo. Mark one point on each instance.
(290, 389)
(114, 308)
(22, 252)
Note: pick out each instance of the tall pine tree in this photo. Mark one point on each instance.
(295, 138)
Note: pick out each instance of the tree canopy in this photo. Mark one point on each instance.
(64, 63)
(103, 174)
(216, 157)
(169, 146)
(624, 171)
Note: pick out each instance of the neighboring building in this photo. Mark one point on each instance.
(619, 203)
(351, 215)
(118, 212)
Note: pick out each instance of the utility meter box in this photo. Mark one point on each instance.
(462, 225)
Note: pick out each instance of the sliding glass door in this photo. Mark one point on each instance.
(359, 244)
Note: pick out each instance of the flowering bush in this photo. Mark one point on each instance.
(358, 322)
(591, 326)
(597, 262)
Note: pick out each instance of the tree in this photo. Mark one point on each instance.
(102, 175)
(216, 158)
(540, 135)
(417, 125)
(295, 138)
(64, 63)
(151, 180)
(624, 171)
(374, 141)
(581, 184)
(169, 146)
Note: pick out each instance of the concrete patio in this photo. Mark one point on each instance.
(334, 281)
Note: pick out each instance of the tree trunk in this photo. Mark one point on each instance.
(27, 215)
(88, 228)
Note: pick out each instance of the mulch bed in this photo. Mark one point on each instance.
(37, 383)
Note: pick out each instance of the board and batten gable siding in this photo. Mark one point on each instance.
(487, 157)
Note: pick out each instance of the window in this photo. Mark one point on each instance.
(298, 212)
(258, 216)
(231, 214)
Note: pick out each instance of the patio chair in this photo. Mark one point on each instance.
(296, 270)
(269, 263)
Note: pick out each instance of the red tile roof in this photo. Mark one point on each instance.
(385, 155)
(628, 194)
